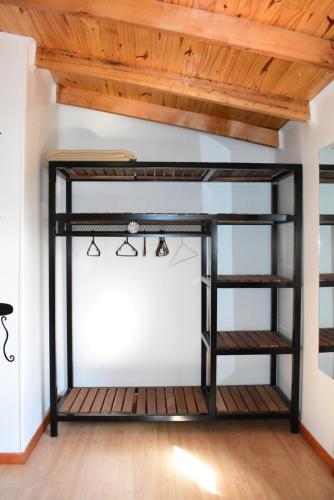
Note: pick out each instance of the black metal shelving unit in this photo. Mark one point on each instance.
(208, 401)
(326, 335)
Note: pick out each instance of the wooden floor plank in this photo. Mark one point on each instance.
(98, 402)
(180, 400)
(250, 460)
(109, 400)
(200, 401)
(227, 397)
(161, 401)
(75, 408)
(190, 400)
(141, 401)
(170, 400)
(89, 400)
(119, 398)
(71, 397)
(151, 401)
(128, 400)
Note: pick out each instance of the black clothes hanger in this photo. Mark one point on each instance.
(162, 248)
(131, 249)
(93, 250)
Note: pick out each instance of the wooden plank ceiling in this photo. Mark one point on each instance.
(235, 68)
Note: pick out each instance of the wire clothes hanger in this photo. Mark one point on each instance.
(132, 252)
(182, 254)
(93, 249)
(162, 248)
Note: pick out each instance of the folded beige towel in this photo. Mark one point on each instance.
(91, 155)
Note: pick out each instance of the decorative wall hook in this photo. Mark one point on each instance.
(6, 309)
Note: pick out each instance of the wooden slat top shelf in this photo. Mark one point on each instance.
(249, 342)
(250, 399)
(167, 171)
(326, 340)
(134, 401)
(327, 279)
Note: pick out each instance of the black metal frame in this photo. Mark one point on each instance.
(209, 284)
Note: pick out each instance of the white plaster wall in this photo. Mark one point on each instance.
(41, 137)
(302, 145)
(26, 125)
(13, 57)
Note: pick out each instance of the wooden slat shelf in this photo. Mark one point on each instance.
(134, 401)
(326, 174)
(326, 340)
(252, 342)
(167, 171)
(327, 219)
(327, 279)
(265, 174)
(250, 399)
(250, 281)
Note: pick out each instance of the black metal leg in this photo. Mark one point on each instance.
(52, 298)
(274, 270)
(69, 291)
(203, 313)
(213, 320)
(297, 301)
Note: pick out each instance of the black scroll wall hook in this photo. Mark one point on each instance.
(93, 249)
(6, 309)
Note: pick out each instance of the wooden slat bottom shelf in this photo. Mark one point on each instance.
(134, 401)
(326, 339)
(234, 342)
(250, 399)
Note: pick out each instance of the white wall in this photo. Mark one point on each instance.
(302, 145)
(13, 57)
(26, 125)
(41, 137)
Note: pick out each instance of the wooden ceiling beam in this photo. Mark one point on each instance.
(166, 115)
(229, 31)
(195, 88)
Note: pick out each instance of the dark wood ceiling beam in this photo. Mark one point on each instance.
(166, 115)
(195, 88)
(229, 31)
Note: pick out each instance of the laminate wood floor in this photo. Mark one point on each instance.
(152, 461)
